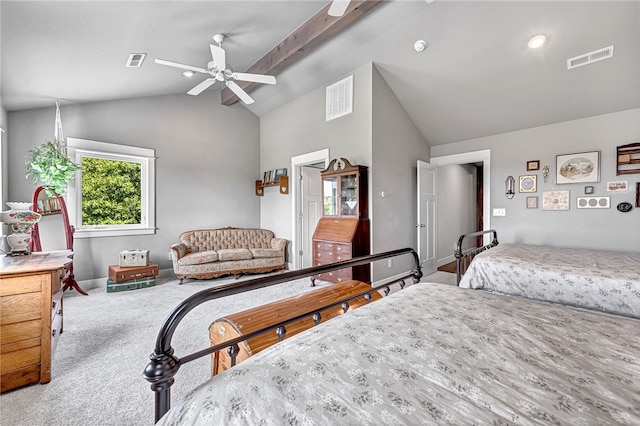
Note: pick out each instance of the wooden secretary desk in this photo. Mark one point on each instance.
(343, 231)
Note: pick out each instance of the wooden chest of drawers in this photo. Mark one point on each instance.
(30, 316)
(335, 240)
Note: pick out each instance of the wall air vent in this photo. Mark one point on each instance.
(340, 98)
(135, 60)
(589, 58)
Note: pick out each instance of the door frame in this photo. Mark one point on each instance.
(431, 228)
(483, 156)
(296, 206)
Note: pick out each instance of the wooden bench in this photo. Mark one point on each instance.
(245, 322)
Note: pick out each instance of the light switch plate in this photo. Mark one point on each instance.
(499, 212)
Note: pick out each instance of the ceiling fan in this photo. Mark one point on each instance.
(220, 71)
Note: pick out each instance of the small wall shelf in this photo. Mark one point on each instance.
(628, 159)
(282, 183)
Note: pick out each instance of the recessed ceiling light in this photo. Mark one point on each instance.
(188, 73)
(420, 45)
(537, 41)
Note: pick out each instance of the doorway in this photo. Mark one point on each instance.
(481, 161)
(307, 205)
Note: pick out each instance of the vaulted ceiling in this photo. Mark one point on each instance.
(476, 78)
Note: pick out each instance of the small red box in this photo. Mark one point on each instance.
(122, 273)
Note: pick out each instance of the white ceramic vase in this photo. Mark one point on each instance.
(20, 219)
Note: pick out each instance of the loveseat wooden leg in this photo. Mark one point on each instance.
(180, 281)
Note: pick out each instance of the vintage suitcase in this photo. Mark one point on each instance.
(134, 257)
(245, 322)
(113, 286)
(119, 273)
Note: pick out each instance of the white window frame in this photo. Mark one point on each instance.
(78, 148)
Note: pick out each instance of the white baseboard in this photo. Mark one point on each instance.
(446, 260)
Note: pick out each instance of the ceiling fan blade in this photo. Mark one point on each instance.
(201, 87)
(244, 97)
(219, 56)
(338, 7)
(256, 78)
(181, 66)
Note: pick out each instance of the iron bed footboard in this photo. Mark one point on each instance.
(465, 256)
(164, 365)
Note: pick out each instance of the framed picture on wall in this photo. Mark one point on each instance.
(533, 165)
(555, 200)
(528, 183)
(532, 202)
(578, 168)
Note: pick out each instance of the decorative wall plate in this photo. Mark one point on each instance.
(624, 207)
(528, 183)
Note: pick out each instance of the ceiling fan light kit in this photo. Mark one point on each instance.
(218, 70)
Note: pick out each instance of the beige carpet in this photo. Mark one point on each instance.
(98, 364)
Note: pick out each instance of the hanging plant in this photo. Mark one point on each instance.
(47, 164)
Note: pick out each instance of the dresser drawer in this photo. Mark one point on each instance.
(325, 247)
(19, 304)
(56, 305)
(24, 330)
(21, 377)
(335, 276)
(23, 356)
(323, 258)
(56, 280)
(56, 330)
(16, 285)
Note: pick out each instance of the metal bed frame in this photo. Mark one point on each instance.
(164, 365)
(465, 256)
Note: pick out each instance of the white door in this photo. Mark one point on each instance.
(426, 225)
(311, 210)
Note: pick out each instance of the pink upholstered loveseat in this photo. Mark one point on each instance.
(211, 253)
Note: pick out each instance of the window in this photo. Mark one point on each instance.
(114, 190)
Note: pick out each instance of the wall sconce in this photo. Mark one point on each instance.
(545, 172)
(510, 187)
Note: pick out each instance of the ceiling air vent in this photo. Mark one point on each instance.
(589, 58)
(135, 60)
(340, 98)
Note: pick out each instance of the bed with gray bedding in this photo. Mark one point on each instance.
(429, 354)
(435, 354)
(603, 280)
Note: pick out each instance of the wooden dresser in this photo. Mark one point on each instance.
(343, 231)
(30, 316)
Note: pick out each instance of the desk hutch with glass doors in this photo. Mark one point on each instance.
(343, 232)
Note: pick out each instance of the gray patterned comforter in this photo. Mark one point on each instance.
(435, 354)
(594, 279)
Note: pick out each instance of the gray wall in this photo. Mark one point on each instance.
(397, 146)
(378, 134)
(597, 228)
(300, 127)
(456, 215)
(207, 161)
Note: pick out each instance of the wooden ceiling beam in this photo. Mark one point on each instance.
(318, 29)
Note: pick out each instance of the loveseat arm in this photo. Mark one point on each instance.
(279, 243)
(178, 251)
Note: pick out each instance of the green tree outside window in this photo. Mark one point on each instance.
(111, 192)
